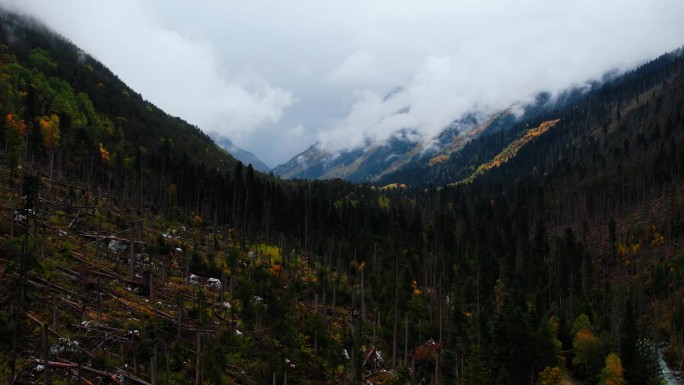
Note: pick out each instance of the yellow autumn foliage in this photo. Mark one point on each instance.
(416, 290)
(550, 376)
(49, 129)
(438, 159)
(613, 372)
(104, 154)
(512, 149)
(15, 125)
(586, 344)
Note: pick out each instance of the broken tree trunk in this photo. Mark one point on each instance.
(70, 365)
(132, 257)
(46, 370)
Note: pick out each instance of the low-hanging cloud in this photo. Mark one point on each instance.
(519, 50)
(277, 76)
(177, 70)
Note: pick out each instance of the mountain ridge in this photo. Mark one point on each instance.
(243, 156)
(374, 161)
(370, 162)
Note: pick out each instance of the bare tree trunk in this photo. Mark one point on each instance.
(153, 289)
(243, 228)
(131, 259)
(198, 367)
(153, 365)
(363, 295)
(46, 367)
(135, 353)
(19, 308)
(55, 319)
(439, 304)
(315, 302)
(375, 326)
(186, 258)
(232, 283)
(223, 289)
(43, 243)
(396, 310)
(179, 317)
(406, 339)
(52, 162)
(166, 360)
(97, 259)
(315, 344)
(420, 330)
(334, 300)
(325, 309)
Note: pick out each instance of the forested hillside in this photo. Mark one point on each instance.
(134, 251)
(581, 109)
(91, 113)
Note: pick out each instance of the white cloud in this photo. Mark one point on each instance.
(253, 69)
(296, 132)
(519, 50)
(177, 70)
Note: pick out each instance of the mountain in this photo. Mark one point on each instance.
(243, 156)
(93, 105)
(373, 162)
(469, 144)
(574, 110)
(358, 165)
(541, 249)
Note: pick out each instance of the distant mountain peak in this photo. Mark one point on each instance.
(374, 160)
(243, 156)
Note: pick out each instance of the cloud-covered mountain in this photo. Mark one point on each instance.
(374, 161)
(409, 156)
(259, 75)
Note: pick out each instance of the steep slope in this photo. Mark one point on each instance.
(123, 112)
(456, 153)
(243, 156)
(307, 165)
(576, 108)
(374, 161)
(359, 165)
(511, 150)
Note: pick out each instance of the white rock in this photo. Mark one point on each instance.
(194, 279)
(117, 247)
(214, 283)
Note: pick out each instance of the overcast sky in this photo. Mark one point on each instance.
(276, 76)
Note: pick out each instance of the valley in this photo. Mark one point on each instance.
(541, 247)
